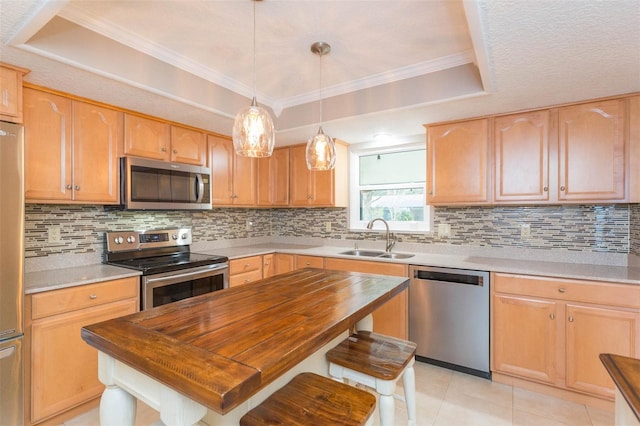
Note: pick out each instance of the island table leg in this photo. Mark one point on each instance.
(117, 407)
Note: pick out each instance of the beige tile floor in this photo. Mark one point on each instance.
(448, 398)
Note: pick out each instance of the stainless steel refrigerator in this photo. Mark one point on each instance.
(11, 272)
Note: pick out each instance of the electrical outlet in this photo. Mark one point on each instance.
(248, 225)
(54, 234)
(525, 231)
(444, 230)
(327, 226)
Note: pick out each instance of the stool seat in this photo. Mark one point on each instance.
(377, 361)
(310, 399)
(383, 357)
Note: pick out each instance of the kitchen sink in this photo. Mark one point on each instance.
(366, 253)
(396, 255)
(374, 253)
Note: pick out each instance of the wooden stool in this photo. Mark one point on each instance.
(310, 399)
(378, 361)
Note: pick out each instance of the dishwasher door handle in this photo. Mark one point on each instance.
(450, 277)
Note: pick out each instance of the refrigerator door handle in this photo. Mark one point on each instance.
(7, 352)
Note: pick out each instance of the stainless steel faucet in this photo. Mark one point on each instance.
(391, 239)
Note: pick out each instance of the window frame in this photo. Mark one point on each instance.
(355, 224)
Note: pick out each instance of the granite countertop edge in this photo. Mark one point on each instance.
(80, 275)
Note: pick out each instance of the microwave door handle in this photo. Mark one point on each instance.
(200, 188)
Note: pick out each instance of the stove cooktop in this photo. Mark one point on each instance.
(168, 263)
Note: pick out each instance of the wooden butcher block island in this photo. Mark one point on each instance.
(217, 350)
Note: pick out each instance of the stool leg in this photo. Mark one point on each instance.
(409, 384)
(387, 410)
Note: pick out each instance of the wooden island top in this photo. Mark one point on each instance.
(221, 348)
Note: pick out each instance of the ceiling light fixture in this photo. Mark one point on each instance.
(321, 149)
(253, 132)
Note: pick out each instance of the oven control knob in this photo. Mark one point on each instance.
(118, 240)
(184, 236)
(174, 236)
(131, 239)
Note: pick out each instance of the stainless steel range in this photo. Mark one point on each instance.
(170, 271)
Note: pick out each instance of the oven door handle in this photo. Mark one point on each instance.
(193, 273)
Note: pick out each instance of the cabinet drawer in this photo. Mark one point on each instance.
(596, 292)
(309, 262)
(246, 264)
(247, 277)
(74, 298)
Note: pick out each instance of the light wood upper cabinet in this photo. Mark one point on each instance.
(47, 119)
(97, 146)
(11, 93)
(188, 146)
(634, 149)
(592, 150)
(144, 137)
(521, 157)
(458, 163)
(233, 177)
(71, 150)
(318, 189)
(273, 179)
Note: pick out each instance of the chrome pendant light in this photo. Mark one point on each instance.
(321, 149)
(253, 132)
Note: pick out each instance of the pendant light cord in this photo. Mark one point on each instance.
(254, 48)
(320, 89)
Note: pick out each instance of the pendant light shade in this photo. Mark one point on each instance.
(253, 133)
(321, 149)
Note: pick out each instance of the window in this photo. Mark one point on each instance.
(389, 184)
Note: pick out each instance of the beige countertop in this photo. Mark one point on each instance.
(79, 275)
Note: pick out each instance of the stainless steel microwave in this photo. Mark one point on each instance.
(159, 185)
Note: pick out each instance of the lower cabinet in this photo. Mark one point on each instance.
(552, 331)
(245, 270)
(392, 319)
(61, 369)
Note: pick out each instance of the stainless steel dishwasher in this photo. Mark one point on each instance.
(449, 318)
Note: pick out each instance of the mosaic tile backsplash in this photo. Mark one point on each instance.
(586, 228)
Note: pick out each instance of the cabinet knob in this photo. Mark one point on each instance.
(69, 187)
(308, 263)
(570, 318)
(562, 188)
(247, 280)
(164, 149)
(77, 188)
(93, 296)
(175, 151)
(562, 290)
(552, 316)
(309, 197)
(545, 189)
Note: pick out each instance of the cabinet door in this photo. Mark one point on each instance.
(590, 332)
(392, 318)
(11, 91)
(300, 178)
(521, 153)
(221, 161)
(97, 146)
(525, 337)
(47, 120)
(457, 163)
(244, 180)
(284, 263)
(268, 265)
(592, 150)
(64, 369)
(147, 138)
(273, 179)
(188, 146)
